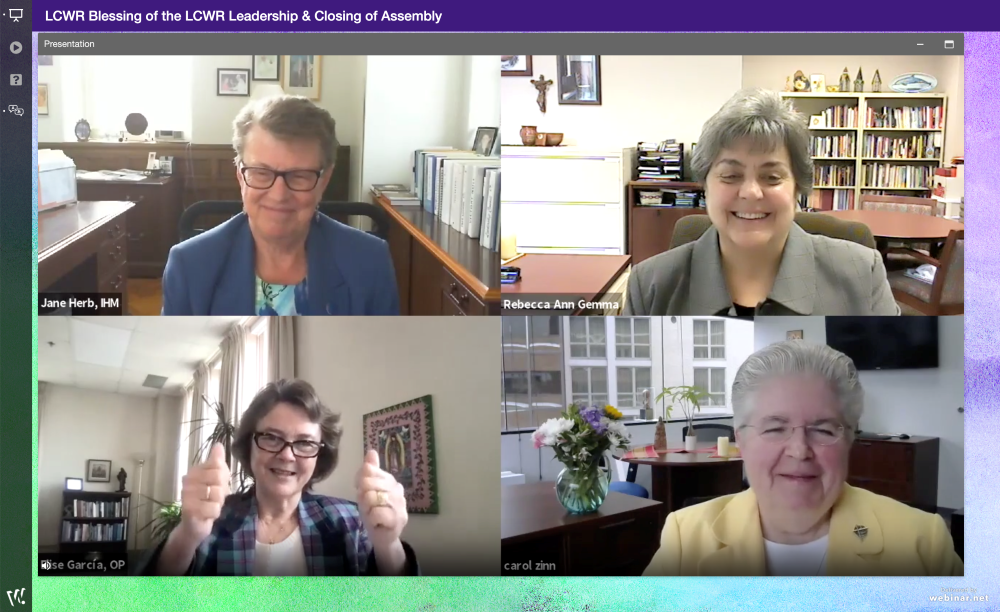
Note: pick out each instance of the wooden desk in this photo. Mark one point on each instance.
(681, 476)
(440, 271)
(152, 223)
(565, 278)
(651, 227)
(905, 470)
(894, 226)
(539, 537)
(83, 248)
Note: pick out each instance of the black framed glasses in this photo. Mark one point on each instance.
(824, 434)
(306, 449)
(296, 180)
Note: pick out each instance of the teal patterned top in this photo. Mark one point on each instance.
(282, 300)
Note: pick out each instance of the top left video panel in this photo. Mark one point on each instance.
(268, 185)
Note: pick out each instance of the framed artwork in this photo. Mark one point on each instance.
(516, 66)
(795, 334)
(44, 60)
(43, 99)
(817, 82)
(302, 75)
(486, 137)
(403, 436)
(266, 67)
(98, 470)
(579, 79)
(233, 82)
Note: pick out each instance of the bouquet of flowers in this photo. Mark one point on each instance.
(580, 437)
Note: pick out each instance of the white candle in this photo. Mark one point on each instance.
(723, 446)
(508, 247)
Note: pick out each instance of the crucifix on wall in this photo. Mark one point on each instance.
(543, 87)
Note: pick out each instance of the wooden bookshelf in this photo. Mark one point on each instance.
(845, 165)
(95, 521)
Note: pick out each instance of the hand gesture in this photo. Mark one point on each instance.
(205, 488)
(382, 504)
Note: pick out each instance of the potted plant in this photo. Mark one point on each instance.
(166, 518)
(688, 399)
(580, 437)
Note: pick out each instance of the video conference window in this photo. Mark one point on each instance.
(242, 446)
(268, 185)
(714, 446)
(737, 185)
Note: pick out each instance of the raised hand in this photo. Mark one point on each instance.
(205, 488)
(382, 504)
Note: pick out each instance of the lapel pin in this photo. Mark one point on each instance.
(861, 531)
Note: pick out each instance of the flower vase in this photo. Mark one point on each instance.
(690, 443)
(529, 135)
(581, 490)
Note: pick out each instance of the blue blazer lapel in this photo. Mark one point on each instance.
(328, 290)
(235, 290)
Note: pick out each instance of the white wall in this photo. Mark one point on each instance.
(915, 402)
(415, 102)
(642, 98)
(76, 425)
(363, 365)
(64, 78)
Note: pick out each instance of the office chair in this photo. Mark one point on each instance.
(691, 227)
(190, 227)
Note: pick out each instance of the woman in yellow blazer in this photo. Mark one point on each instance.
(796, 407)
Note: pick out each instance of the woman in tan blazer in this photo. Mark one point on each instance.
(754, 163)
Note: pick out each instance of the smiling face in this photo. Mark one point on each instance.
(283, 475)
(804, 472)
(278, 213)
(750, 196)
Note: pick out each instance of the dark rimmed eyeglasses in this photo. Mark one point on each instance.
(306, 449)
(296, 180)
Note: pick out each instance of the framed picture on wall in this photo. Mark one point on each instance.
(579, 79)
(403, 436)
(302, 75)
(515, 66)
(266, 67)
(43, 99)
(233, 82)
(98, 470)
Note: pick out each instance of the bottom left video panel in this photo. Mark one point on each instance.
(242, 446)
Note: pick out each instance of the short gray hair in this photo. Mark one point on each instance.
(768, 122)
(800, 357)
(288, 118)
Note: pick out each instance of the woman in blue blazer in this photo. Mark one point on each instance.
(281, 256)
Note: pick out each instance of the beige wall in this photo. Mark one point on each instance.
(361, 365)
(671, 96)
(772, 70)
(642, 98)
(76, 425)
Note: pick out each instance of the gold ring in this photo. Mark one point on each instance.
(382, 498)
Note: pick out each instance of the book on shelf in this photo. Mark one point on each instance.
(398, 195)
(905, 117)
(879, 175)
(660, 161)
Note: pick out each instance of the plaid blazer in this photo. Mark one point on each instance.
(333, 537)
(817, 276)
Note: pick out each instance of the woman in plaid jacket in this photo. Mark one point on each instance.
(287, 441)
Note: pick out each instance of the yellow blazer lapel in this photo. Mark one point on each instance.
(856, 539)
(740, 540)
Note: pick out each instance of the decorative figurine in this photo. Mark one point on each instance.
(121, 480)
(876, 83)
(845, 80)
(543, 87)
(801, 82)
(859, 83)
(788, 84)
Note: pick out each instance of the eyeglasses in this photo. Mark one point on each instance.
(823, 435)
(296, 180)
(306, 449)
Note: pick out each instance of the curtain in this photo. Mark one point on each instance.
(281, 348)
(198, 412)
(232, 379)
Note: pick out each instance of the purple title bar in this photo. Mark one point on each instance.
(466, 16)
